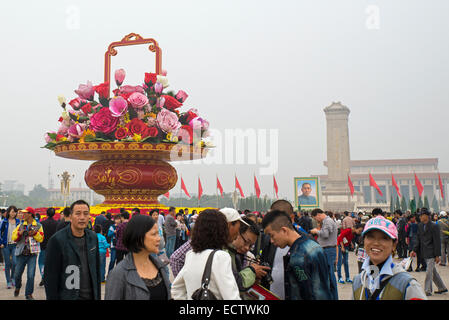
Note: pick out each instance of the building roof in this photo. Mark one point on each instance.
(386, 162)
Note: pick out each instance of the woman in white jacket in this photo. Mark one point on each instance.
(210, 233)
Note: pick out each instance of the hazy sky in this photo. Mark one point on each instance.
(245, 65)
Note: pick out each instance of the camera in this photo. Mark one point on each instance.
(267, 278)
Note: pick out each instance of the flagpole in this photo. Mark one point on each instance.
(216, 187)
(255, 191)
(180, 191)
(198, 190)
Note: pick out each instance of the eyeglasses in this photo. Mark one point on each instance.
(247, 242)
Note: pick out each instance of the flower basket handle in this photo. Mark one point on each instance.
(129, 40)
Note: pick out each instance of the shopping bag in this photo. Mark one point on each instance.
(405, 263)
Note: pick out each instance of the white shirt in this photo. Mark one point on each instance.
(222, 281)
(278, 285)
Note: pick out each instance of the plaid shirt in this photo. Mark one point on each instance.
(178, 257)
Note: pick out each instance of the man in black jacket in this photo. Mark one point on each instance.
(49, 226)
(429, 244)
(72, 266)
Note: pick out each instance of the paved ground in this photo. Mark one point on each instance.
(344, 290)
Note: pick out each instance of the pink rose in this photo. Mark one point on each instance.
(119, 76)
(167, 121)
(86, 91)
(62, 130)
(138, 100)
(47, 137)
(76, 131)
(151, 122)
(131, 89)
(118, 106)
(160, 102)
(181, 96)
(104, 121)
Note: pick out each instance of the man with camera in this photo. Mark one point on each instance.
(246, 269)
(28, 235)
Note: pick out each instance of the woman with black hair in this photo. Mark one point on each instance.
(210, 233)
(140, 275)
(7, 245)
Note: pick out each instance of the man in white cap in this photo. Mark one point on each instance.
(443, 223)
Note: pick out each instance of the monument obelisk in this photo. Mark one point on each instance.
(336, 196)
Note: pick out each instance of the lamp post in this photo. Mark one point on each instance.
(65, 179)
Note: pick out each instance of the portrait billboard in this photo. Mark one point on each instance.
(307, 192)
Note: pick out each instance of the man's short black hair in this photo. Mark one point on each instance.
(399, 212)
(282, 205)
(425, 211)
(97, 228)
(277, 219)
(78, 202)
(50, 212)
(66, 212)
(252, 226)
(376, 212)
(125, 215)
(136, 210)
(154, 210)
(118, 216)
(316, 211)
(171, 209)
(135, 230)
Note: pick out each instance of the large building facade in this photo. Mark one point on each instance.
(404, 173)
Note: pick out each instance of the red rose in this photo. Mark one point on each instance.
(60, 119)
(171, 103)
(75, 103)
(87, 108)
(185, 134)
(150, 78)
(116, 92)
(103, 121)
(121, 133)
(59, 137)
(102, 89)
(136, 126)
(150, 132)
(126, 95)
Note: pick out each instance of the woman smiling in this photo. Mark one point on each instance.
(381, 278)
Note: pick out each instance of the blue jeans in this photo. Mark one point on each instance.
(102, 265)
(170, 245)
(30, 262)
(343, 259)
(331, 255)
(111, 260)
(10, 262)
(41, 262)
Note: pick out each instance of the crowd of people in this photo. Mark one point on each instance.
(223, 253)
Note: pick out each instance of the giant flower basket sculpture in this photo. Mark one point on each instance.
(131, 135)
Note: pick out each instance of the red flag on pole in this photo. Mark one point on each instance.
(237, 186)
(256, 187)
(275, 186)
(183, 187)
(418, 185)
(167, 195)
(373, 183)
(395, 185)
(441, 186)
(351, 186)
(200, 189)
(219, 187)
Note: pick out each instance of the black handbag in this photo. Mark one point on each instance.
(204, 293)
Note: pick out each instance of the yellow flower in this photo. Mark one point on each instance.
(61, 99)
(137, 137)
(152, 115)
(169, 136)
